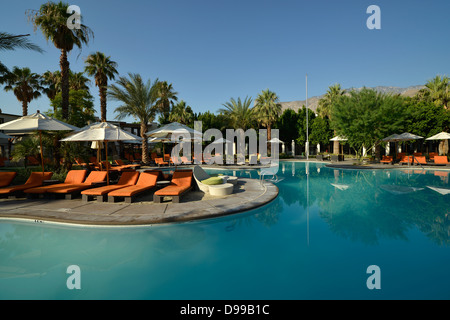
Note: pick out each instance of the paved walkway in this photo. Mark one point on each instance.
(247, 194)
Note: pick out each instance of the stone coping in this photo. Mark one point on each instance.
(247, 194)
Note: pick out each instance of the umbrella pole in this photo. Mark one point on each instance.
(42, 154)
(107, 163)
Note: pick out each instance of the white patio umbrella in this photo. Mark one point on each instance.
(168, 130)
(104, 132)
(37, 122)
(339, 138)
(440, 136)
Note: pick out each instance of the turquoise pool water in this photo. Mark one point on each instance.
(315, 241)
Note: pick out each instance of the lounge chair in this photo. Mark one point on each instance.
(94, 179)
(406, 160)
(36, 179)
(147, 180)
(387, 160)
(6, 178)
(73, 177)
(440, 160)
(432, 155)
(161, 162)
(121, 164)
(420, 160)
(180, 184)
(126, 179)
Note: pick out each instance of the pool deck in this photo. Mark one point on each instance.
(247, 194)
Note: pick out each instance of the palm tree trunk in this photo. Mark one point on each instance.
(102, 91)
(145, 158)
(269, 136)
(24, 108)
(64, 64)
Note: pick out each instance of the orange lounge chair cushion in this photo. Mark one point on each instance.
(440, 160)
(129, 191)
(420, 159)
(94, 176)
(172, 190)
(73, 177)
(147, 180)
(6, 178)
(35, 180)
(181, 181)
(182, 178)
(126, 179)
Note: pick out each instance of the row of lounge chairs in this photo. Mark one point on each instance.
(130, 185)
(417, 160)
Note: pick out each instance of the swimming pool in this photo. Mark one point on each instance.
(314, 241)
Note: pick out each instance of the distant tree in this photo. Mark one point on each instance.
(102, 68)
(321, 132)
(366, 117)
(333, 94)
(25, 85)
(182, 113)
(327, 103)
(81, 107)
(267, 110)
(166, 99)
(287, 124)
(240, 113)
(438, 88)
(301, 125)
(139, 101)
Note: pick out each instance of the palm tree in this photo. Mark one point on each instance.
(77, 81)
(11, 42)
(51, 19)
(102, 68)
(329, 99)
(25, 85)
(166, 98)
(50, 81)
(267, 109)
(325, 109)
(239, 112)
(139, 101)
(182, 114)
(438, 88)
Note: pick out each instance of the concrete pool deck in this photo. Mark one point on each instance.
(247, 194)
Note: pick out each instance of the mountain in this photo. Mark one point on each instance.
(314, 101)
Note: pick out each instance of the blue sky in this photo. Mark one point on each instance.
(214, 50)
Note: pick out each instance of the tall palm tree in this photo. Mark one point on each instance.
(182, 114)
(439, 90)
(138, 101)
(10, 41)
(166, 98)
(267, 109)
(25, 85)
(239, 112)
(51, 19)
(325, 109)
(102, 68)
